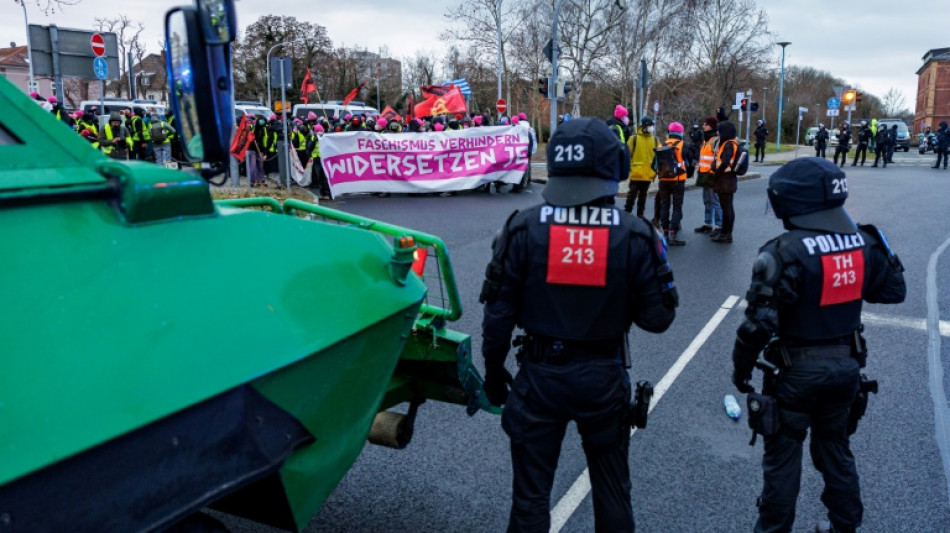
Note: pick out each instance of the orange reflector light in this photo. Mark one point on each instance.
(407, 241)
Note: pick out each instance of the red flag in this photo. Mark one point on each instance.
(409, 109)
(307, 87)
(349, 98)
(243, 138)
(390, 114)
(451, 102)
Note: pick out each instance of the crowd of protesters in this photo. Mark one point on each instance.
(305, 134)
(710, 152)
(130, 133)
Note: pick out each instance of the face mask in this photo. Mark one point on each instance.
(625, 120)
(260, 122)
(649, 129)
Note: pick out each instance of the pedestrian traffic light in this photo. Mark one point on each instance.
(543, 86)
(849, 97)
(743, 103)
(755, 107)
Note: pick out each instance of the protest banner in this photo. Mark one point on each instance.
(362, 162)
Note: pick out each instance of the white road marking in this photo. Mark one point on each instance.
(919, 324)
(935, 364)
(575, 495)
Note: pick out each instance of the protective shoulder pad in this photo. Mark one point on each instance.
(876, 239)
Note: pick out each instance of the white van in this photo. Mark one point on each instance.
(334, 108)
(110, 105)
(245, 107)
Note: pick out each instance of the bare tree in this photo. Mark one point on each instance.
(128, 33)
(477, 21)
(894, 103)
(48, 7)
(587, 29)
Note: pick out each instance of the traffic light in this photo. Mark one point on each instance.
(543, 87)
(857, 96)
(849, 96)
(755, 107)
(568, 87)
(743, 104)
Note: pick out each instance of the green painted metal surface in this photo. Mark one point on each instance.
(129, 295)
(109, 324)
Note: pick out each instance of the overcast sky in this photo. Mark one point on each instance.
(873, 44)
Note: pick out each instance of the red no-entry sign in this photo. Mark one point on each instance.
(98, 44)
(501, 106)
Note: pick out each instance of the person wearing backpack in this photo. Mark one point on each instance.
(726, 181)
(712, 219)
(162, 133)
(642, 165)
(672, 175)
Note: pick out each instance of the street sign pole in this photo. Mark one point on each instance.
(748, 117)
(552, 83)
(284, 152)
(57, 73)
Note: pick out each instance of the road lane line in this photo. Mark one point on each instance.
(919, 324)
(581, 488)
(935, 366)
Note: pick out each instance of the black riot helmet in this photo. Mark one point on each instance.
(809, 193)
(585, 162)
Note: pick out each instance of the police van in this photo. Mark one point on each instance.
(250, 107)
(109, 105)
(333, 108)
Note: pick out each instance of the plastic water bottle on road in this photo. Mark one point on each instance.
(732, 407)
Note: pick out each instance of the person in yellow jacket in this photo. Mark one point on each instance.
(672, 188)
(114, 138)
(642, 165)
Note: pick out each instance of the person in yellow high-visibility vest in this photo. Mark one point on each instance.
(114, 138)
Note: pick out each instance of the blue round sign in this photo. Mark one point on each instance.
(834, 103)
(100, 67)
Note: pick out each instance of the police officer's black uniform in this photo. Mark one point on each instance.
(574, 273)
(821, 141)
(806, 294)
(864, 138)
(761, 132)
(844, 143)
(942, 144)
(880, 142)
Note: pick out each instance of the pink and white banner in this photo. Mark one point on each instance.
(360, 162)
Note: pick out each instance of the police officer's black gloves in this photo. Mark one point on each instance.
(741, 381)
(497, 381)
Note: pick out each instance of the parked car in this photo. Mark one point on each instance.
(810, 135)
(903, 134)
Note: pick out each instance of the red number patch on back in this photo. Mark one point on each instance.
(842, 277)
(577, 255)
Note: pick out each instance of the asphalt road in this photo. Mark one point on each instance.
(692, 468)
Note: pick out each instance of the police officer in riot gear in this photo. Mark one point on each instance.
(821, 141)
(573, 273)
(864, 139)
(805, 305)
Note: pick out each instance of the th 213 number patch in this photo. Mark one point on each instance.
(577, 255)
(842, 277)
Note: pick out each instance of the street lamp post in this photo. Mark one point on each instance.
(781, 97)
(272, 48)
(498, 30)
(552, 83)
(29, 45)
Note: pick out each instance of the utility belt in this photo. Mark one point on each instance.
(541, 349)
(783, 353)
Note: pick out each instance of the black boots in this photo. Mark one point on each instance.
(723, 237)
(672, 240)
(705, 228)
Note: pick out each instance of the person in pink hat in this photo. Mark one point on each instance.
(619, 124)
(672, 187)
